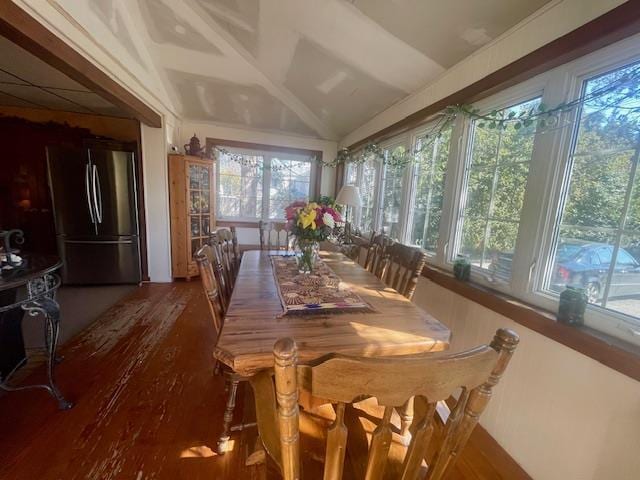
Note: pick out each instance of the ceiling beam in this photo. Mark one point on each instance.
(22, 29)
(615, 25)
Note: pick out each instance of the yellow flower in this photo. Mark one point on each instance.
(307, 219)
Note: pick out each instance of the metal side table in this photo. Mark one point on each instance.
(36, 273)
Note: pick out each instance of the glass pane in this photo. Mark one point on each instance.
(582, 259)
(194, 177)
(204, 178)
(204, 202)
(290, 180)
(240, 186)
(496, 182)
(509, 194)
(195, 226)
(624, 293)
(367, 194)
(392, 196)
(195, 202)
(195, 245)
(206, 230)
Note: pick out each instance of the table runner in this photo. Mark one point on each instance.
(320, 290)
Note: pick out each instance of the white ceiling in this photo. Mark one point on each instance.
(27, 81)
(316, 68)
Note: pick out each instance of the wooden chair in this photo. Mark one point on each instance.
(222, 247)
(273, 236)
(343, 380)
(205, 259)
(402, 267)
(375, 259)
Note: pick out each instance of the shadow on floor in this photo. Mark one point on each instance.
(79, 308)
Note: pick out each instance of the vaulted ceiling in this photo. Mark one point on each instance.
(316, 68)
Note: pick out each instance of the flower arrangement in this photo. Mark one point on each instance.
(310, 223)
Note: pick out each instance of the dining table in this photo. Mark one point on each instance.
(254, 321)
(256, 318)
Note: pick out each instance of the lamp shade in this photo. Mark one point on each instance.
(349, 195)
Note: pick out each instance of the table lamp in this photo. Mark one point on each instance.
(349, 196)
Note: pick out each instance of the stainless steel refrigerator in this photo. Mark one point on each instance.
(96, 214)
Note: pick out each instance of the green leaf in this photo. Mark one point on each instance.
(517, 125)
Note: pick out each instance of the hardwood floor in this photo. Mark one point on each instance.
(147, 405)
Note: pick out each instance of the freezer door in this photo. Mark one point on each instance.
(113, 187)
(70, 187)
(93, 262)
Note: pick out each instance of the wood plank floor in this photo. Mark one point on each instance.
(147, 403)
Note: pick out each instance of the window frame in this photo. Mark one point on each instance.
(267, 156)
(544, 189)
(614, 323)
(524, 92)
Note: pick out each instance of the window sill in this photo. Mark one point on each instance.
(612, 352)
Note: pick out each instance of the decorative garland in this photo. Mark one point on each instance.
(245, 162)
(540, 115)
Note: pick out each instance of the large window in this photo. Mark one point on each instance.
(536, 206)
(498, 166)
(254, 185)
(597, 242)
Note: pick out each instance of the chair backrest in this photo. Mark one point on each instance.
(227, 242)
(220, 242)
(205, 260)
(237, 257)
(402, 268)
(393, 381)
(273, 236)
(375, 259)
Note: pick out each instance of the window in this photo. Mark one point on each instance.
(497, 171)
(601, 200)
(392, 193)
(535, 208)
(240, 186)
(428, 182)
(254, 185)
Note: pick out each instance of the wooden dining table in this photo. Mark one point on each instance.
(255, 320)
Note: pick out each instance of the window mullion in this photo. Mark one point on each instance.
(266, 185)
(453, 191)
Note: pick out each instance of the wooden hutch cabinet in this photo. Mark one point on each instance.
(192, 208)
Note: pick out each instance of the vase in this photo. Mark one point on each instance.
(307, 255)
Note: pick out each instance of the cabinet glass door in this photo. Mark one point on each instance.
(199, 205)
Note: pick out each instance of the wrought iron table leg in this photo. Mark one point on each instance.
(50, 310)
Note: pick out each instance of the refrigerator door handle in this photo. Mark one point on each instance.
(97, 194)
(88, 190)
(100, 242)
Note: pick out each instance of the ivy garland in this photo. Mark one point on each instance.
(245, 162)
(539, 115)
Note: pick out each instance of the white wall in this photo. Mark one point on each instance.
(550, 22)
(560, 414)
(156, 198)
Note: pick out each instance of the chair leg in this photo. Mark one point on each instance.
(406, 418)
(228, 415)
